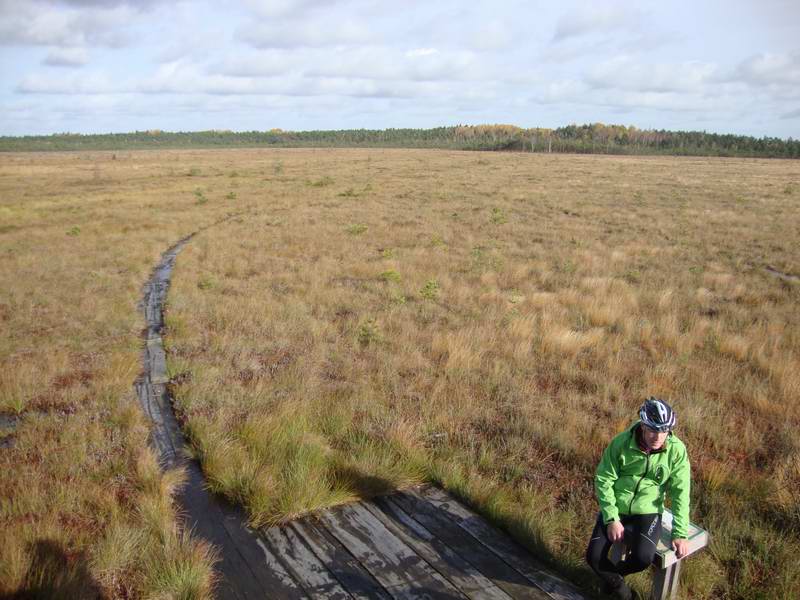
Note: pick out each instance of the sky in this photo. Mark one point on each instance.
(98, 66)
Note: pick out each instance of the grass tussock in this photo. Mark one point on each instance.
(457, 324)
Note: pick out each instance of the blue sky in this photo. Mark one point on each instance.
(94, 66)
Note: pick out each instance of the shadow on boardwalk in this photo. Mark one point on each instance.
(419, 543)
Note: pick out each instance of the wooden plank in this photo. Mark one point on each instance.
(242, 570)
(437, 554)
(499, 543)
(697, 539)
(279, 572)
(157, 364)
(305, 567)
(165, 432)
(402, 573)
(274, 579)
(344, 567)
(489, 564)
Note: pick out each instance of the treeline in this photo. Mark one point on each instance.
(596, 138)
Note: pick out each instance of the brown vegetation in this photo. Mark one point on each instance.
(84, 509)
(489, 322)
(376, 318)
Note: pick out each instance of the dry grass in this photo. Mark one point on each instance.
(83, 510)
(425, 315)
(383, 317)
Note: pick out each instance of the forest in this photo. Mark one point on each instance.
(595, 138)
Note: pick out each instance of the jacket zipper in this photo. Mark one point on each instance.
(638, 483)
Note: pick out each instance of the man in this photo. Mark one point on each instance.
(637, 468)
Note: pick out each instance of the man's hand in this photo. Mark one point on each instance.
(681, 547)
(616, 532)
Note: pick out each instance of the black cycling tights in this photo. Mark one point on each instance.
(641, 536)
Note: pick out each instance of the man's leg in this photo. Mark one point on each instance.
(641, 534)
(597, 556)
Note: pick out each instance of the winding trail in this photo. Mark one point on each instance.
(418, 543)
(243, 570)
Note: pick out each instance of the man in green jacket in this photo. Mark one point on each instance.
(637, 468)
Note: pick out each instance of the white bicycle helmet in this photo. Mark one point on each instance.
(657, 414)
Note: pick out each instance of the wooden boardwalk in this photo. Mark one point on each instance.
(419, 543)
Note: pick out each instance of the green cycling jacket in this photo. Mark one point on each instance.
(631, 482)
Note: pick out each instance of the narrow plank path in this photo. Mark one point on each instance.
(418, 543)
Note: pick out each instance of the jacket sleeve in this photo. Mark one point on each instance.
(679, 492)
(605, 476)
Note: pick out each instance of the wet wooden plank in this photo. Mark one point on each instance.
(488, 563)
(265, 566)
(347, 570)
(402, 573)
(243, 573)
(165, 433)
(284, 581)
(435, 552)
(158, 362)
(499, 543)
(305, 567)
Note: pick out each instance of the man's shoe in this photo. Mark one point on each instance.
(611, 588)
(623, 592)
(619, 590)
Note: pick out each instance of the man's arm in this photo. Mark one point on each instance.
(679, 491)
(605, 476)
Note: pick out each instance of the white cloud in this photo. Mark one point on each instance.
(306, 33)
(283, 8)
(183, 78)
(420, 65)
(575, 50)
(626, 73)
(666, 101)
(603, 18)
(40, 24)
(495, 35)
(421, 52)
(94, 83)
(770, 68)
(67, 57)
(142, 4)
(629, 99)
(568, 90)
(261, 63)
(195, 46)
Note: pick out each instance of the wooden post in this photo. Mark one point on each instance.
(665, 582)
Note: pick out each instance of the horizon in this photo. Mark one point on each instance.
(117, 66)
(279, 130)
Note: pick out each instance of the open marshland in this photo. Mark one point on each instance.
(369, 319)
